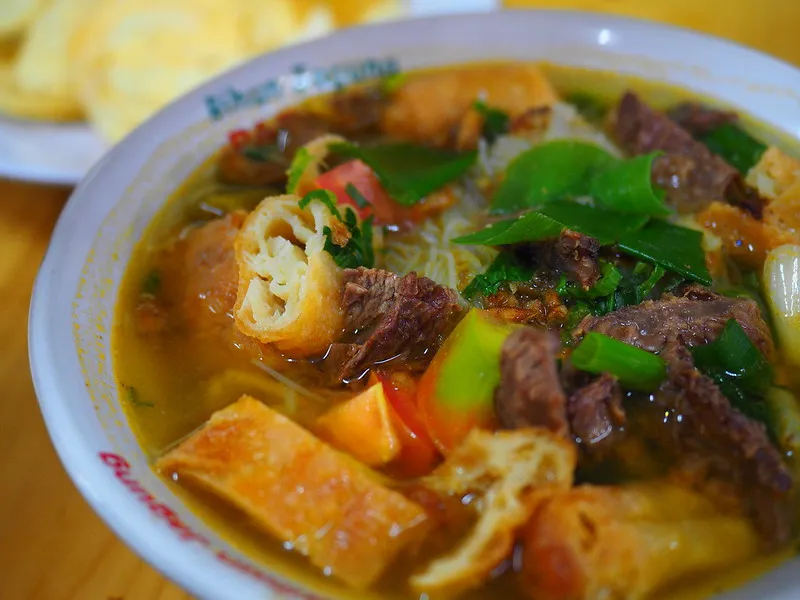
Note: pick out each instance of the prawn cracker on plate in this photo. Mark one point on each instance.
(133, 57)
(42, 64)
(19, 102)
(16, 15)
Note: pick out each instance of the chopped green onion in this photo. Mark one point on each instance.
(627, 186)
(734, 357)
(675, 248)
(503, 269)
(550, 171)
(495, 121)
(634, 368)
(410, 172)
(740, 371)
(735, 145)
(357, 196)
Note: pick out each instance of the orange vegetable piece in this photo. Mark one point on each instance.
(744, 238)
(326, 505)
(362, 427)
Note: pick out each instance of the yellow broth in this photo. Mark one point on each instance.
(171, 384)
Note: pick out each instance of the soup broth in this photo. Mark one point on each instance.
(185, 350)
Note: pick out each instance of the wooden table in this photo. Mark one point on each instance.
(52, 546)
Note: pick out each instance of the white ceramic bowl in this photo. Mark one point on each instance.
(76, 290)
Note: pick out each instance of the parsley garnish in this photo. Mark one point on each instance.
(358, 251)
(504, 268)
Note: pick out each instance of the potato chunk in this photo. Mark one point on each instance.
(289, 286)
(429, 107)
(624, 543)
(503, 470)
(324, 504)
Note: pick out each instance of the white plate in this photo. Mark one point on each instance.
(63, 153)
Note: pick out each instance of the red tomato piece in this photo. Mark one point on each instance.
(385, 210)
(418, 455)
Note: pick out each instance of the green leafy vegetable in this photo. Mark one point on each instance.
(610, 278)
(504, 268)
(739, 368)
(495, 121)
(358, 251)
(132, 396)
(634, 368)
(591, 107)
(357, 196)
(302, 159)
(550, 171)
(151, 284)
(636, 287)
(548, 222)
(410, 172)
(675, 248)
(735, 145)
(627, 186)
(606, 226)
(575, 315)
(530, 227)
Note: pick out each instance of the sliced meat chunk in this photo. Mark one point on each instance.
(530, 393)
(390, 317)
(575, 254)
(696, 317)
(704, 427)
(595, 413)
(699, 119)
(691, 175)
(572, 253)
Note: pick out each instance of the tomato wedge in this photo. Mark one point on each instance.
(418, 454)
(385, 210)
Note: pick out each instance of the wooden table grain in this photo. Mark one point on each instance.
(52, 546)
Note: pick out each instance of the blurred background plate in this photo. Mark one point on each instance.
(62, 153)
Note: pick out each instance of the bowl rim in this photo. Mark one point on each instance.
(75, 454)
